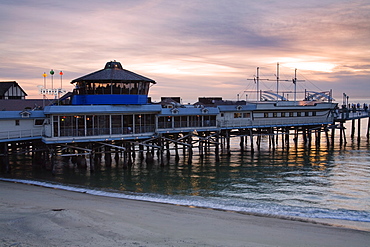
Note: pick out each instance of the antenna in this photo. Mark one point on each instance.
(295, 85)
(257, 81)
(277, 81)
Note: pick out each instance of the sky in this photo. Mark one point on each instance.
(193, 48)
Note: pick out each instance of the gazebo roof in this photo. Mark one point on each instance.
(113, 71)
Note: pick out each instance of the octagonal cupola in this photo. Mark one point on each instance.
(111, 85)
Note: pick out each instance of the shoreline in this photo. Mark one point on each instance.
(39, 216)
(351, 224)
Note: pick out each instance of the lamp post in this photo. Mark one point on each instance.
(52, 78)
(43, 95)
(44, 75)
(61, 79)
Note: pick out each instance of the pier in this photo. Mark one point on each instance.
(110, 118)
(166, 145)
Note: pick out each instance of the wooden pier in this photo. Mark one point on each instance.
(162, 147)
(109, 116)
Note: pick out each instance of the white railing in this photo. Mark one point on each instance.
(275, 121)
(15, 134)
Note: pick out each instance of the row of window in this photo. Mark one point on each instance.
(169, 122)
(274, 114)
(288, 114)
(90, 125)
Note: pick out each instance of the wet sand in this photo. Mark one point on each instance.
(37, 216)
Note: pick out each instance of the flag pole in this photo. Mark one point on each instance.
(61, 79)
(52, 82)
(61, 84)
(43, 93)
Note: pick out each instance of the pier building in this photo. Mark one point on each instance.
(111, 86)
(109, 112)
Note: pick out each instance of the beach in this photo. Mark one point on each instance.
(37, 216)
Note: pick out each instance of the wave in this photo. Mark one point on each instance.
(263, 209)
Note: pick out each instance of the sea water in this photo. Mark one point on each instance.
(314, 182)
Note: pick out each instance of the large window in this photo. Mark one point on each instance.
(116, 124)
(144, 123)
(128, 124)
(95, 125)
(102, 125)
(165, 122)
(181, 121)
(209, 121)
(195, 121)
(56, 125)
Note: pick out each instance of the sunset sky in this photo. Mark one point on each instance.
(193, 48)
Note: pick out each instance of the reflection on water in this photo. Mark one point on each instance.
(302, 181)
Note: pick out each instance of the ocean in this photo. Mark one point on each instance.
(318, 183)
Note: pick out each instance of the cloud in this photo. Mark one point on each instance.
(208, 45)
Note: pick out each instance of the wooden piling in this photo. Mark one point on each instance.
(228, 143)
(190, 148)
(353, 129)
(368, 128)
(107, 156)
(241, 144)
(251, 140)
(358, 130)
(217, 147)
(332, 136)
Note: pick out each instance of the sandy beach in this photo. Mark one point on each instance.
(36, 216)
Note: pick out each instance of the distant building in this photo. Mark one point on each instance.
(13, 98)
(11, 90)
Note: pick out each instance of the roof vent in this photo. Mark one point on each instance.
(113, 65)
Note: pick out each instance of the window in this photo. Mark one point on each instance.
(102, 124)
(246, 115)
(39, 122)
(298, 114)
(283, 114)
(274, 114)
(56, 125)
(237, 115)
(17, 122)
(147, 123)
(291, 114)
(209, 121)
(313, 113)
(195, 121)
(116, 121)
(266, 115)
(205, 111)
(181, 121)
(165, 122)
(128, 124)
(307, 114)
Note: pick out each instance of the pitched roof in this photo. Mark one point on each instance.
(5, 85)
(113, 71)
